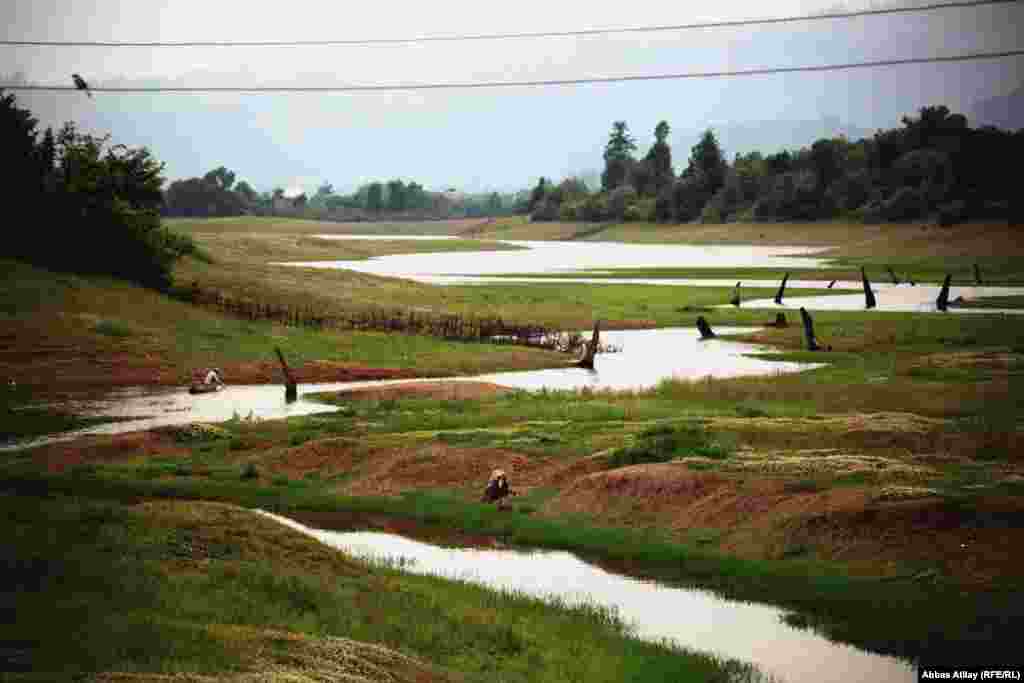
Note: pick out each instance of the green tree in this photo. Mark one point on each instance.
(494, 203)
(706, 157)
(396, 195)
(538, 194)
(222, 177)
(245, 191)
(659, 161)
(375, 197)
(618, 154)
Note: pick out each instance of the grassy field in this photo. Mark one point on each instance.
(202, 588)
(888, 482)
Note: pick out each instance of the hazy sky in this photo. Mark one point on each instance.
(480, 139)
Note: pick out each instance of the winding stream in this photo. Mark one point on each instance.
(691, 618)
(647, 357)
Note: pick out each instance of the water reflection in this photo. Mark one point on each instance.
(697, 619)
(647, 357)
(566, 257)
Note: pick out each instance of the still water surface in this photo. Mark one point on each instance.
(567, 259)
(692, 618)
(647, 357)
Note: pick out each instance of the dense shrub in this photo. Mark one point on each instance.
(663, 443)
(619, 199)
(105, 198)
(546, 210)
(596, 208)
(641, 211)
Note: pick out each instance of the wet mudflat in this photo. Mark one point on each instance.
(691, 618)
(646, 358)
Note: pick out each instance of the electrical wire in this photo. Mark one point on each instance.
(513, 36)
(522, 84)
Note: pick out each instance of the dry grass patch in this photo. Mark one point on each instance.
(285, 657)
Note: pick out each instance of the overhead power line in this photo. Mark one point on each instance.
(532, 83)
(512, 36)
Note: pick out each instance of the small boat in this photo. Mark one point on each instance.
(205, 388)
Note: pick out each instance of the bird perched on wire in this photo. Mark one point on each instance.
(81, 84)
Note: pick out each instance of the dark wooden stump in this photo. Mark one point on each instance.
(977, 275)
(943, 301)
(291, 387)
(705, 330)
(588, 357)
(812, 343)
(782, 289)
(735, 300)
(869, 296)
(830, 285)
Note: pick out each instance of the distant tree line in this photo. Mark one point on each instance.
(217, 194)
(86, 205)
(934, 166)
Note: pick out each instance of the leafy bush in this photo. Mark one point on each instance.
(596, 208)
(572, 210)
(663, 443)
(641, 211)
(112, 328)
(546, 210)
(620, 198)
(249, 471)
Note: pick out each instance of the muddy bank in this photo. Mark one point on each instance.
(97, 373)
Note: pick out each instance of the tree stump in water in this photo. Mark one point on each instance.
(291, 387)
(869, 296)
(943, 301)
(588, 357)
(782, 289)
(830, 285)
(735, 300)
(812, 343)
(977, 274)
(705, 329)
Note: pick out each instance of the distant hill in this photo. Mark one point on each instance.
(767, 137)
(1002, 111)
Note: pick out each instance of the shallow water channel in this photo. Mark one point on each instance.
(568, 259)
(646, 358)
(691, 618)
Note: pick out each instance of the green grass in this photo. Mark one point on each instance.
(124, 582)
(665, 442)
(922, 619)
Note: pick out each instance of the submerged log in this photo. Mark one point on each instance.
(869, 296)
(705, 330)
(291, 387)
(812, 343)
(892, 274)
(782, 289)
(735, 300)
(588, 357)
(943, 301)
